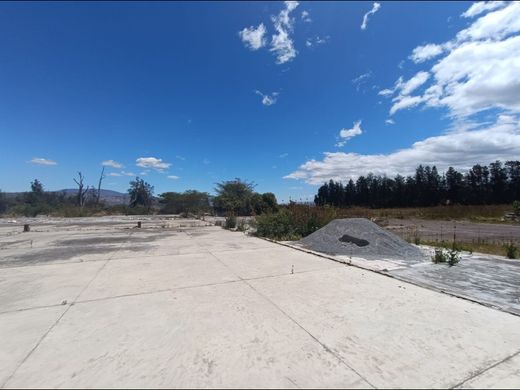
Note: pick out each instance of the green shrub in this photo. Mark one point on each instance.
(447, 255)
(439, 256)
(242, 225)
(293, 222)
(516, 207)
(231, 222)
(278, 226)
(453, 256)
(511, 251)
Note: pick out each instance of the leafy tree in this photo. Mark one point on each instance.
(234, 197)
(141, 193)
(480, 185)
(37, 187)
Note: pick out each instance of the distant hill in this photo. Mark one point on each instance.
(109, 197)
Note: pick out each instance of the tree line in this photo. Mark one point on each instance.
(233, 197)
(496, 183)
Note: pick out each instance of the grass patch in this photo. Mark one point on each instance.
(483, 213)
(489, 248)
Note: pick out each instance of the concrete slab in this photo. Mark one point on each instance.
(217, 336)
(271, 261)
(395, 334)
(151, 317)
(502, 376)
(149, 274)
(492, 281)
(47, 285)
(21, 331)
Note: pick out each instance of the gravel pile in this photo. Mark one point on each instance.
(359, 237)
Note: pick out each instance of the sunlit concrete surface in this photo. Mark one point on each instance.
(87, 304)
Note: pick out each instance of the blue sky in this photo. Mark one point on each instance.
(284, 94)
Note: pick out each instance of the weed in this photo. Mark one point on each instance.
(439, 256)
(511, 250)
(231, 222)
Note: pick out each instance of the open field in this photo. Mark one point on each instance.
(100, 303)
(481, 213)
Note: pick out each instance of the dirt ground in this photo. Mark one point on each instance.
(430, 230)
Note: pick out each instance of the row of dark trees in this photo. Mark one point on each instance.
(497, 183)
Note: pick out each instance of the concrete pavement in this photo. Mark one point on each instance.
(113, 306)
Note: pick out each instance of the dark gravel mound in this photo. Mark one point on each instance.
(360, 237)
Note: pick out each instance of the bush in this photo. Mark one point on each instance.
(278, 226)
(511, 251)
(516, 207)
(231, 222)
(242, 225)
(450, 256)
(293, 222)
(439, 256)
(453, 256)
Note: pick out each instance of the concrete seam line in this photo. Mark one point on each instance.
(396, 277)
(34, 348)
(325, 347)
(53, 325)
(477, 374)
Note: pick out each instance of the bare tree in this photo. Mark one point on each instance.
(98, 196)
(82, 192)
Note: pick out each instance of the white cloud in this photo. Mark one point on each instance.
(281, 42)
(481, 7)
(254, 38)
(426, 52)
(390, 121)
(152, 162)
(284, 155)
(415, 82)
(405, 102)
(500, 141)
(361, 79)
(114, 174)
(123, 173)
(42, 161)
(479, 71)
(317, 40)
(494, 25)
(375, 8)
(346, 134)
(268, 100)
(386, 92)
(112, 163)
(306, 17)
(173, 177)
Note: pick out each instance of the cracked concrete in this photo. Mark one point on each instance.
(205, 307)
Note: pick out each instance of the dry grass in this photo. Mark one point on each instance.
(484, 213)
(489, 248)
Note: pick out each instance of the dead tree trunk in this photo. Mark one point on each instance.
(98, 196)
(82, 192)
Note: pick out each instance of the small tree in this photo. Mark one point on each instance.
(82, 191)
(141, 193)
(101, 177)
(234, 197)
(37, 187)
